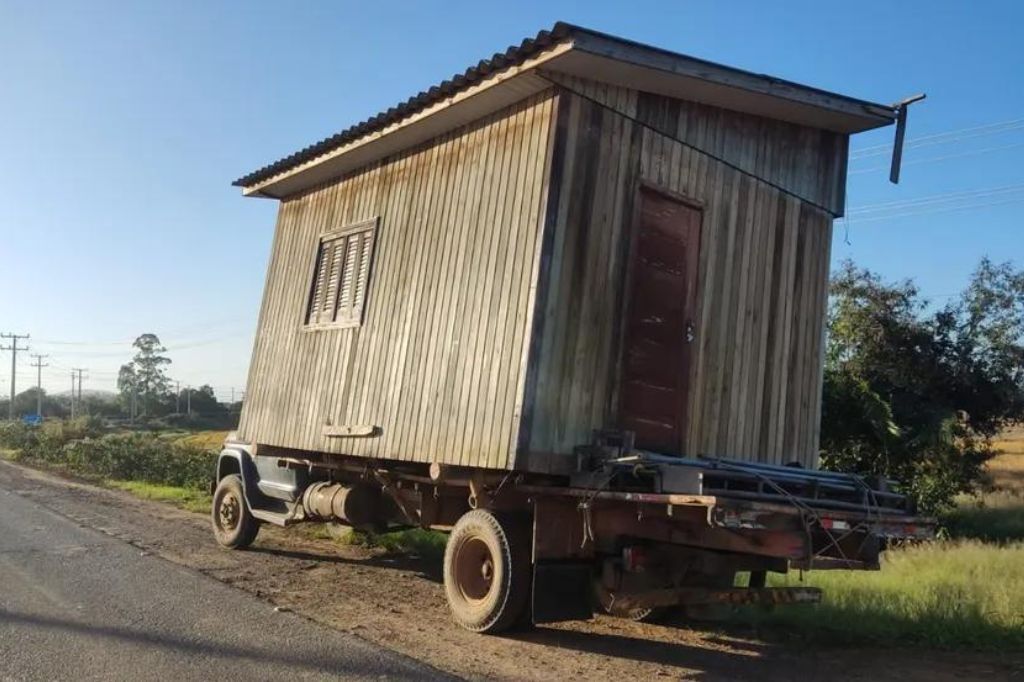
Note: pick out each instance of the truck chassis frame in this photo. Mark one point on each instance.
(606, 533)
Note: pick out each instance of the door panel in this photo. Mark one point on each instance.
(660, 310)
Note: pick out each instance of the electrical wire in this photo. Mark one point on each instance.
(947, 157)
(129, 342)
(936, 198)
(935, 209)
(947, 137)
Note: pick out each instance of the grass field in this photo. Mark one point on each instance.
(1007, 469)
(186, 498)
(963, 592)
(960, 593)
(997, 513)
(208, 440)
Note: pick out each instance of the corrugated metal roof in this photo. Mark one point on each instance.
(513, 56)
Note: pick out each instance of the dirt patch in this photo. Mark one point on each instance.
(398, 602)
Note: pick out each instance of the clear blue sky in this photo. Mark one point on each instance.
(122, 125)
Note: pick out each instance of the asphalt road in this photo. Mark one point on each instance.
(76, 604)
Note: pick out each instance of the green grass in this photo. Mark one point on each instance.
(957, 594)
(428, 544)
(185, 498)
(425, 543)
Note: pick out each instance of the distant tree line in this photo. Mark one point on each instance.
(144, 394)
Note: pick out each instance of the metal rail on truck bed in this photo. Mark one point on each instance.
(814, 519)
(612, 460)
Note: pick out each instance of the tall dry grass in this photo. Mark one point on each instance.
(996, 513)
(957, 594)
(963, 592)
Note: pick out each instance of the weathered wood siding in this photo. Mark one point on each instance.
(437, 364)
(756, 372)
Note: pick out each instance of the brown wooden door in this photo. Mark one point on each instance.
(660, 312)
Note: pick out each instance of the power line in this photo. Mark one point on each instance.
(935, 209)
(14, 364)
(129, 342)
(945, 197)
(171, 348)
(946, 157)
(942, 138)
(38, 364)
(80, 370)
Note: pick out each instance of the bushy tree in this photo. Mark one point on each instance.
(144, 379)
(26, 402)
(917, 393)
(204, 402)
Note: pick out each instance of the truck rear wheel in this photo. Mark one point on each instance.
(487, 571)
(234, 526)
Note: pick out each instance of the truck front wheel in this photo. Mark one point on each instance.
(487, 571)
(234, 526)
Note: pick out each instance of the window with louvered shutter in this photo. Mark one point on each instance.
(340, 276)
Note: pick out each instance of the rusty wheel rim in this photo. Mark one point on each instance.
(229, 511)
(474, 570)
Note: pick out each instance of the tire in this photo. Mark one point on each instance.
(234, 526)
(487, 571)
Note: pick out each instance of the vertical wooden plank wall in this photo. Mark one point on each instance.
(436, 364)
(756, 373)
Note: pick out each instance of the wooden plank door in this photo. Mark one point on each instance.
(660, 313)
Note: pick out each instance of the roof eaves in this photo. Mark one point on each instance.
(514, 55)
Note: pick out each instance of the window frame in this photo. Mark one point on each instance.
(372, 226)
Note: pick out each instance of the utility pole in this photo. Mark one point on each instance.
(188, 399)
(72, 394)
(38, 364)
(14, 363)
(79, 370)
(177, 398)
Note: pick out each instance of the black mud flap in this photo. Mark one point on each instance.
(562, 591)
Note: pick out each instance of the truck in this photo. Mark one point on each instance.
(569, 307)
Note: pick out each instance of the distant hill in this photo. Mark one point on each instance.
(89, 393)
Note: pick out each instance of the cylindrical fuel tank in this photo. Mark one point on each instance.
(357, 505)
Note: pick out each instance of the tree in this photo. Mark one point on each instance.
(917, 393)
(26, 401)
(144, 378)
(128, 388)
(204, 402)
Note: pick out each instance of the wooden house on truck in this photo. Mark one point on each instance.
(580, 253)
